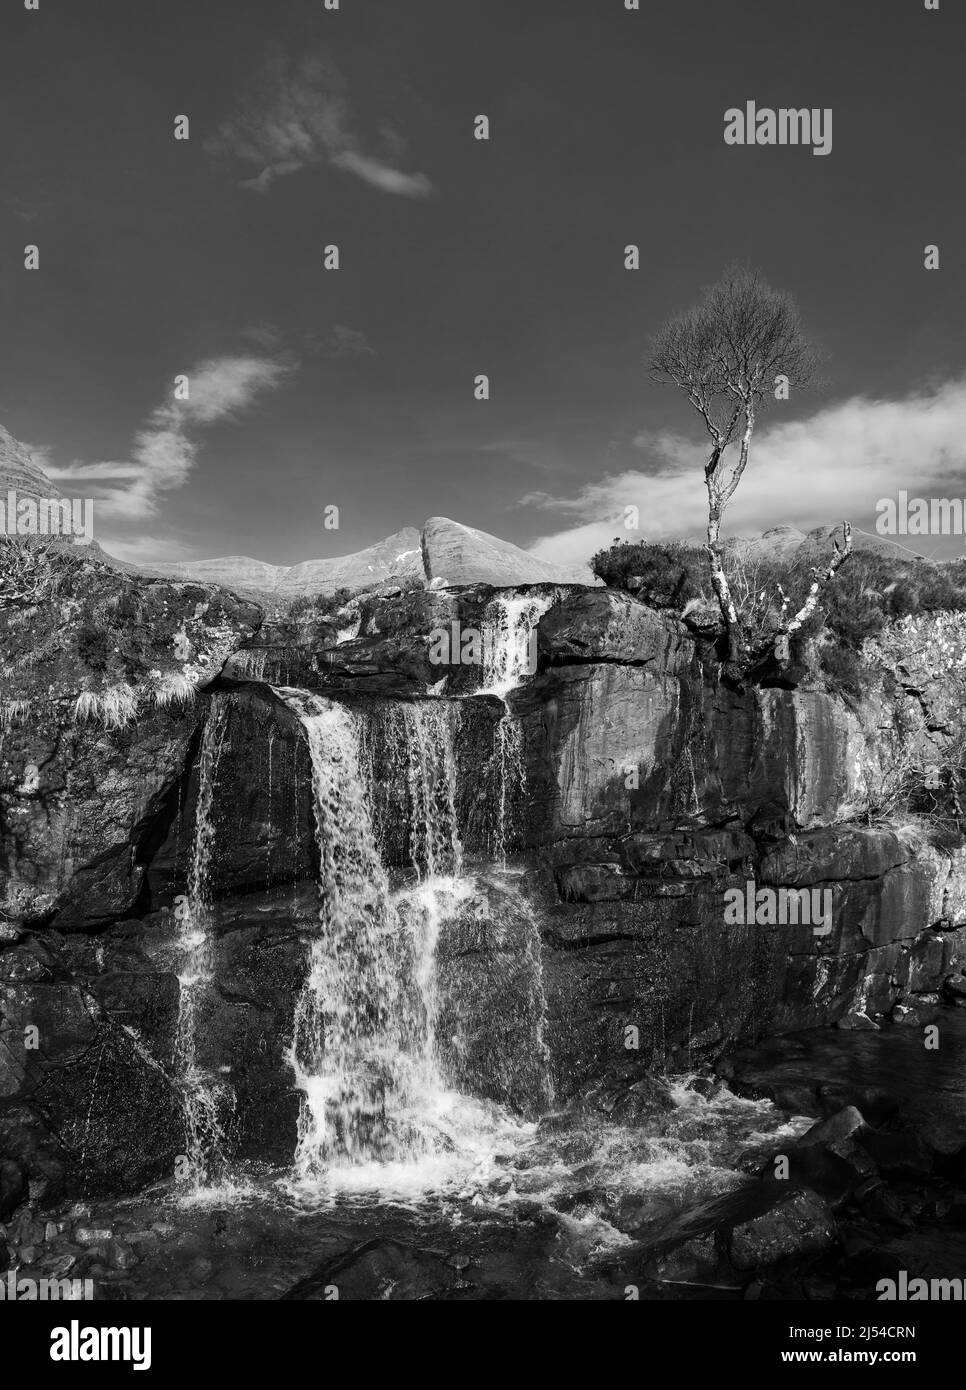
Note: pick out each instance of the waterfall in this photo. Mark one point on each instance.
(509, 640)
(507, 772)
(509, 657)
(422, 737)
(204, 1098)
(362, 1042)
(377, 1072)
(248, 664)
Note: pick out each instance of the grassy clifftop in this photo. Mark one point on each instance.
(80, 636)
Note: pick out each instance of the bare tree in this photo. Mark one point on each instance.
(727, 355)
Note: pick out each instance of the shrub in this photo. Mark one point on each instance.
(869, 594)
(667, 575)
(321, 608)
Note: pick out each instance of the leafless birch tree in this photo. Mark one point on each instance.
(728, 356)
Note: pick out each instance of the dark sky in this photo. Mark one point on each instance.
(459, 257)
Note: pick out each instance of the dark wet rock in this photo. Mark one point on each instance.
(927, 963)
(628, 1094)
(857, 1020)
(608, 626)
(752, 1227)
(885, 1207)
(696, 1262)
(861, 1271)
(838, 1127)
(835, 1173)
(900, 1152)
(798, 1224)
(137, 651)
(917, 1010)
(651, 786)
(954, 989)
(13, 1187)
(116, 1115)
(875, 1104)
(640, 1214)
(383, 1270)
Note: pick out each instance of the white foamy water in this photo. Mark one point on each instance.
(509, 639)
(377, 1112)
(204, 1097)
(359, 1045)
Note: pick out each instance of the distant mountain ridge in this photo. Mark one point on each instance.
(784, 542)
(398, 558)
(445, 552)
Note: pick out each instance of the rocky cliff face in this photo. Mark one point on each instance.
(632, 789)
(20, 473)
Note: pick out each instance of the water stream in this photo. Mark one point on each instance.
(205, 1097)
(509, 640)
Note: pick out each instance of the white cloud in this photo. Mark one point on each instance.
(147, 549)
(301, 117)
(382, 176)
(164, 450)
(811, 472)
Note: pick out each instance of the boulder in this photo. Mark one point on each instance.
(844, 1124)
(751, 1227)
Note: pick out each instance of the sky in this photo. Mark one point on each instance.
(355, 388)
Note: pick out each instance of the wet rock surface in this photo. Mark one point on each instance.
(624, 789)
(679, 1199)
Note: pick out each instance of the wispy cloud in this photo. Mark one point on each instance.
(302, 116)
(165, 449)
(143, 550)
(347, 342)
(810, 472)
(532, 453)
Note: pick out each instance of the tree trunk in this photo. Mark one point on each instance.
(719, 579)
(819, 583)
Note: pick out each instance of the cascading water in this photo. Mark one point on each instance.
(204, 1098)
(377, 1107)
(507, 772)
(423, 736)
(249, 664)
(361, 1048)
(509, 640)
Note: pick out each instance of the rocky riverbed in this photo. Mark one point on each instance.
(648, 1188)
